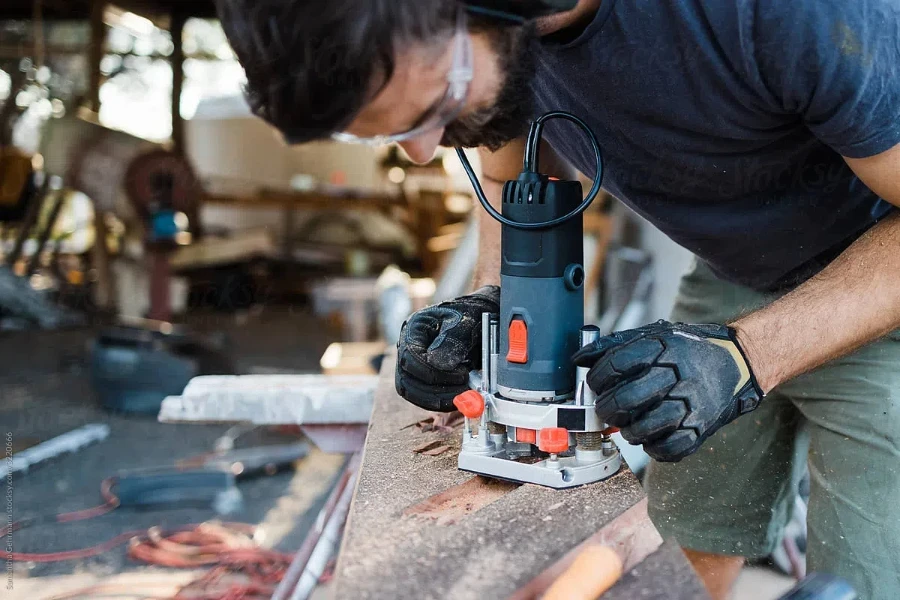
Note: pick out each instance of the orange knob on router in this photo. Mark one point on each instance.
(553, 440)
(470, 403)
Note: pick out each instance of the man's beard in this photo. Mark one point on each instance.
(508, 118)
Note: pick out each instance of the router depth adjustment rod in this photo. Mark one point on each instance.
(529, 399)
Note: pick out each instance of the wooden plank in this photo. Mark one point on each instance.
(631, 535)
(420, 528)
(104, 290)
(176, 30)
(667, 567)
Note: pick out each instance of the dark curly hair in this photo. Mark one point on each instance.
(311, 66)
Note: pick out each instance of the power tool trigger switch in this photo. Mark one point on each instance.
(518, 342)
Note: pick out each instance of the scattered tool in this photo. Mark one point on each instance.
(529, 400)
(207, 479)
(71, 441)
(210, 486)
(246, 462)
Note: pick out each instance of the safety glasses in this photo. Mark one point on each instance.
(446, 109)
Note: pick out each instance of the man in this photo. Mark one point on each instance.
(762, 136)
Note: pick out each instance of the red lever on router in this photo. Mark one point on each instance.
(553, 440)
(470, 403)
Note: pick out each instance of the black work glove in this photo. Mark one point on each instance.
(669, 386)
(438, 347)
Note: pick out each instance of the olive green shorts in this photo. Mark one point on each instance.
(734, 496)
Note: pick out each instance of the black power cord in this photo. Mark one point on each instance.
(531, 163)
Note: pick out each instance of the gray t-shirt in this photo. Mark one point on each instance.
(723, 122)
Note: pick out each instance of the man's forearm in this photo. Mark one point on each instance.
(853, 301)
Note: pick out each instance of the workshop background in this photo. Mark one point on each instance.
(152, 230)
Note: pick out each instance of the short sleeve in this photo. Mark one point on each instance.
(836, 64)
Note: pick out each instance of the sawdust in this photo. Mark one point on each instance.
(459, 501)
(440, 422)
(484, 563)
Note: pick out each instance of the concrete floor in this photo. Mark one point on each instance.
(45, 391)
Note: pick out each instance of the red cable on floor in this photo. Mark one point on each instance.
(229, 547)
(90, 551)
(242, 569)
(111, 502)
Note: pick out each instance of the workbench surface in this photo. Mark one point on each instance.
(420, 528)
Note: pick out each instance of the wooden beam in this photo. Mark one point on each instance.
(179, 18)
(104, 290)
(420, 528)
(95, 54)
(38, 28)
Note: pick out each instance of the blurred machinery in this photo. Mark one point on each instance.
(152, 190)
(134, 366)
(163, 192)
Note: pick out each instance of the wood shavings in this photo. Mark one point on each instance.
(426, 446)
(441, 422)
(436, 451)
(433, 448)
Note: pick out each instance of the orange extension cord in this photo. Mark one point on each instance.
(110, 503)
(242, 569)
